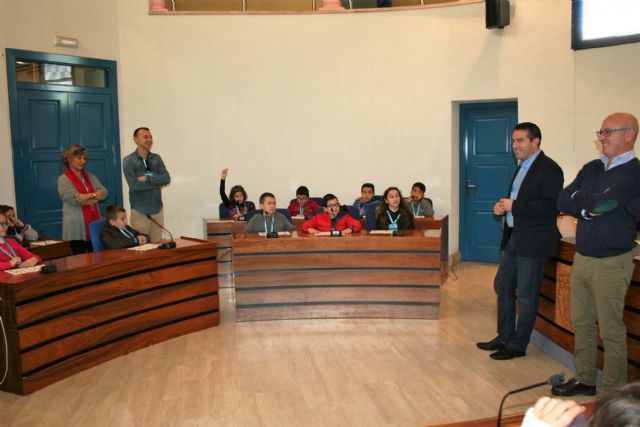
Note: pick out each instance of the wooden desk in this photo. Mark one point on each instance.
(56, 250)
(554, 310)
(358, 275)
(221, 231)
(100, 306)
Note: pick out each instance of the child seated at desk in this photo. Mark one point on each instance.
(417, 203)
(393, 214)
(367, 192)
(268, 220)
(17, 229)
(236, 203)
(332, 219)
(116, 233)
(11, 253)
(303, 205)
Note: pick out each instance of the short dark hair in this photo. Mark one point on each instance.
(420, 186)
(265, 195)
(533, 131)
(327, 198)
(112, 212)
(302, 191)
(135, 132)
(6, 208)
(368, 185)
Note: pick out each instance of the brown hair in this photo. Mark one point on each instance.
(73, 150)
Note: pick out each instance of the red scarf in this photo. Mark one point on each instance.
(90, 213)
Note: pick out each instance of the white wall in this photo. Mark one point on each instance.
(331, 101)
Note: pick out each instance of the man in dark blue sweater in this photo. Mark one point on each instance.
(605, 198)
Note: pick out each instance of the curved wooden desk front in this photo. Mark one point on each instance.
(221, 231)
(359, 275)
(100, 306)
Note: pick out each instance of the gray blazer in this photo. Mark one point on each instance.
(72, 221)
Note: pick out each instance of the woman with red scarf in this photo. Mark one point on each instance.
(80, 192)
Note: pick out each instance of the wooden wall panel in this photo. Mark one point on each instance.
(329, 277)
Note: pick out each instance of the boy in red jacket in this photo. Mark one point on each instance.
(332, 219)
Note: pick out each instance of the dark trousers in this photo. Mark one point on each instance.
(518, 279)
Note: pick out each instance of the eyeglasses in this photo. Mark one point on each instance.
(609, 132)
(333, 206)
(4, 224)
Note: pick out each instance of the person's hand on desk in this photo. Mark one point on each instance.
(236, 217)
(556, 412)
(142, 239)
(347, 231)
(15, 261)
(28, 263)
(312, 231)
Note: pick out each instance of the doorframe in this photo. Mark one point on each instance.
(13, 55)
(463, 147)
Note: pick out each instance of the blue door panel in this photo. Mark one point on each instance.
(44, 130)
(92, 127)
(485, 171)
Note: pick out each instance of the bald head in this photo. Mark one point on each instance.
(623, 137)
(625, 120)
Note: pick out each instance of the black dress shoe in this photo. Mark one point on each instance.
(573, 387)
(492, 345)
(506, 354)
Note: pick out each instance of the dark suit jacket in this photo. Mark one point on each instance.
(535, 210)
(112, 238)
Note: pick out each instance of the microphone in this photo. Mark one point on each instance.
(554, 380)
(167, 245)
(48, 268)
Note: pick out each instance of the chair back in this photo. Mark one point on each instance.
(353, 211)
(284, 212)
(370, 213)
(250, 214)
(223, 212)
(94, 230)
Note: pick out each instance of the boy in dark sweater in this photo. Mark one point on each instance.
(116, 233)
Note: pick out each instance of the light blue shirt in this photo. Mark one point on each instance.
(618, 160)
(517, 182)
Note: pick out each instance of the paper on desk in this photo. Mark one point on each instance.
(388, 232)
(145, 247)
(25, 270)
(44, 242)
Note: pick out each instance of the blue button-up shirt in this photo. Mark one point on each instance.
(517, 182)
(618, 160)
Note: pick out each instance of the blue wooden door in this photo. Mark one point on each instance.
(42, 134)
(55, 101)
(91, 126)
(486, 168)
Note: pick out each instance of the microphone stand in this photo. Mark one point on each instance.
(553, 380)
(48, 268)
(166, 245)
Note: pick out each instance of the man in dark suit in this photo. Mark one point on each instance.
(529, 236)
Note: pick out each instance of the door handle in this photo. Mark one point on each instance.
(470, 184)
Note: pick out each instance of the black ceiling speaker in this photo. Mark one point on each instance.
(497, 13)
